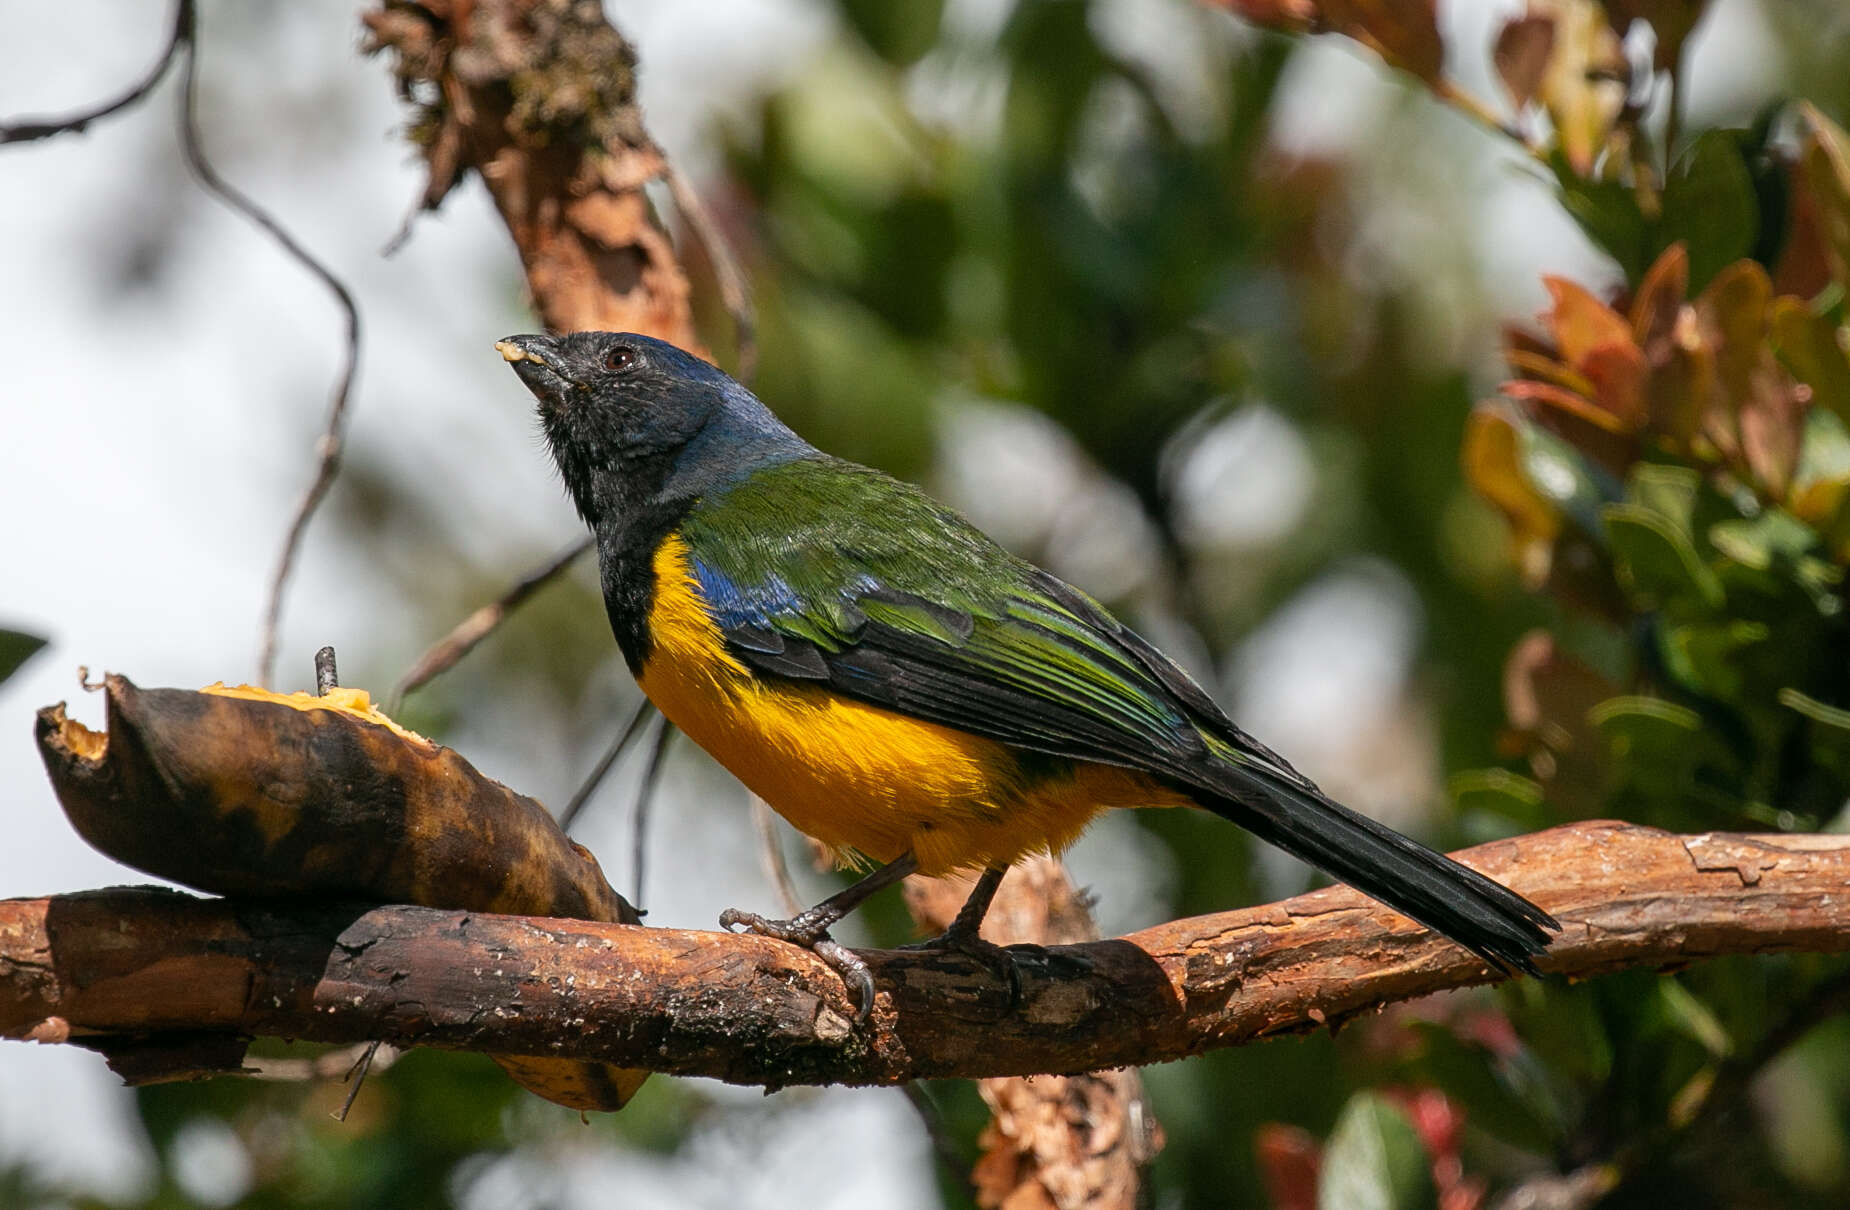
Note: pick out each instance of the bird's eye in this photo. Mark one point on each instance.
(620, 358)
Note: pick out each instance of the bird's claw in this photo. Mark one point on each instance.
(988, 954)
(794, 930)
(854, 972)
(845, 962)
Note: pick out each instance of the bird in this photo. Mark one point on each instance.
(895, 683)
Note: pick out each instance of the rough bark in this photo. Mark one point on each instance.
(538, 97)
(749, 1010)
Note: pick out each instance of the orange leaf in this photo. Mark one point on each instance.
(1682, 380)
(1772, 426)
(1543, 368)
(1581, 88)
(1279, 14)
(1551, 396)
(1288, 1161)
(1583, 424)
(1826, 163)
(1665, 286)
(1733, 310)
(1580, 322)
(1617, 372)
(1524, 46)
(1492, 456)
(1404, 32)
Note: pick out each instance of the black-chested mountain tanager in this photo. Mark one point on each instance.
(892, 681)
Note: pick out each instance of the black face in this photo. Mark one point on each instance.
(616, 408)
(613, 380)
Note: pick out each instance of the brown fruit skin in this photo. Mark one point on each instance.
(265, 799)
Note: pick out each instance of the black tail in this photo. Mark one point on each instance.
(1478, 913)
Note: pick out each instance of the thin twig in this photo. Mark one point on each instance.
(443, 655)
(330, 1065)
(1465, 102)
(184, 37)
(357, 1076)
(328, 447)
(771, 853)
(1673, 104)
(604, 764)
(645, 798)
(27, 130)
(734, 290)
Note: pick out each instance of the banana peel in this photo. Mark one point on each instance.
(241, 791)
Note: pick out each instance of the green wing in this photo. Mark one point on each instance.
(824, 571)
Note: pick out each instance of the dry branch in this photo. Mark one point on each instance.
(750, 1010)
(538, 97)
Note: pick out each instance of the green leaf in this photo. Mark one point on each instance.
(1656, 562)
(1709, 205)
(1374, 1160)
(1567, 1045)
(1670, 491)
(1812, 708)
(16, 648)
(1705, 656)
(1808, 343)
(1828, 731)
(1670, 767)
(1496, 790)
(1651, 712)
(1608, 212)
(1760, 542)
(1690, 1017)
(1823, 476)
(1777, 541)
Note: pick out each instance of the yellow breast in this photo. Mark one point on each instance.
(860, 779)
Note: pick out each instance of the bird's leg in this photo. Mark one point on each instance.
(962, 937)
(810, 929)
(969, 919)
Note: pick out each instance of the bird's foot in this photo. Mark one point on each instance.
(813, 936)
(965, 941)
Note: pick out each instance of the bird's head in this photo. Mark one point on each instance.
(630, 417)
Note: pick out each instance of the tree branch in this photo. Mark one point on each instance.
(538, 98)
(749, 1010)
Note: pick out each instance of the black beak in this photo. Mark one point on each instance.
(536, 359)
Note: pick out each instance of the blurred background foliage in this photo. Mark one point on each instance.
(1060, 261)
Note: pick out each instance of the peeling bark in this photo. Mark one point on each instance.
(538, 97)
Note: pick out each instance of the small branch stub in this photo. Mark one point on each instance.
(327, 678)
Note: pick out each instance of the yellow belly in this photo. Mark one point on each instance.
(860, 779)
